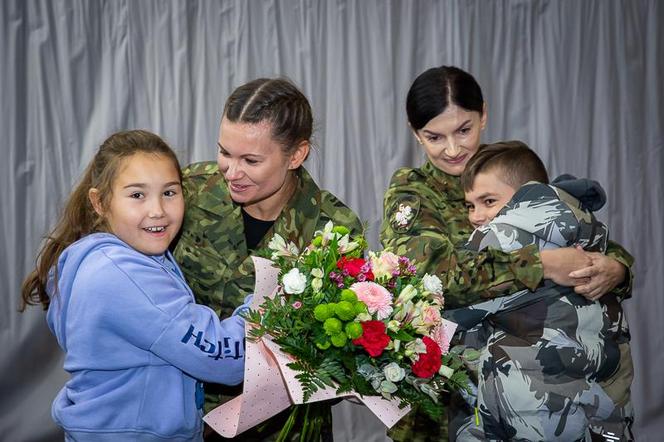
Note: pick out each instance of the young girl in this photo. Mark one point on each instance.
(135, 340)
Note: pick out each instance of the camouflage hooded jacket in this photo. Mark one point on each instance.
(539, 350)
(425, 218)
(547, 217)
(212, 249)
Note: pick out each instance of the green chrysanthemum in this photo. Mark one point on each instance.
(353, 330)
(360, 307)
(323, 312)
(332, 326)
(348, 295)
(341, 230)
(339, 340)
(344, 311)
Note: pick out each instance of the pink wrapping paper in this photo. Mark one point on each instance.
(270, 386)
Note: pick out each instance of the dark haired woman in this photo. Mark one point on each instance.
(257, 187)
(425, 218)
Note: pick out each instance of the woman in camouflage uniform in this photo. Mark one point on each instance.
(425, 218)
(257, 188)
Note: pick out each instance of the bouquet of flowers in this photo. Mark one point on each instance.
(365, 326)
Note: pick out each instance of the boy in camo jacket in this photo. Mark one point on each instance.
(553, 366)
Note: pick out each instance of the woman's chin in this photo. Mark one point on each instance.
(454, 170)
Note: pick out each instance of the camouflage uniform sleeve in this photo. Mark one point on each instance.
(413, 229)
(617, 252)
(333, 209)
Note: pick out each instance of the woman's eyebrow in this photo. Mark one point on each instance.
(256, 155)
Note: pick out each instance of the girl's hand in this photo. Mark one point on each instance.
(559, 264)
(598, 279)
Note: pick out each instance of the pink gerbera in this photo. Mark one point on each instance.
(375, 296)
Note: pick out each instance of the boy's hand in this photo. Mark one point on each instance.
(603, 275)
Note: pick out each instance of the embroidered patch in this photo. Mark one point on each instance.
(403, 216)
(404, 213)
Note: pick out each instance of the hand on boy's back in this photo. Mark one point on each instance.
(560, 263)
(599, 278)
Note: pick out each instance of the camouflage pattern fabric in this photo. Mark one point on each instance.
(425, 218)
(212, 249)
(545, 357)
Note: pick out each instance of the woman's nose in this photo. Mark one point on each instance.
(452, 148)
(233, 171)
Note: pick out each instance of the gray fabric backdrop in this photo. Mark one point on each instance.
(581, 82)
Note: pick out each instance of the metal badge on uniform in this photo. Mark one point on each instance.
(404, 212)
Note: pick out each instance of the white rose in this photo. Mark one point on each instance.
(316, 284)
(393, 372)
(317, 273)
(294, 282)
(432, 283)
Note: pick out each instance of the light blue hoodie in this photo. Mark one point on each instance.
(135, 343)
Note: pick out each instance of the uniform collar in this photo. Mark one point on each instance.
(214, 197)
(299, 218)
(296, 222)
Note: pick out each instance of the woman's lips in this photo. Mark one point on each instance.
(456, 160)
(238, 188)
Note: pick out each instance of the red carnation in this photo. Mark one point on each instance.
(428, 363)
(374, 339)
(354, 267)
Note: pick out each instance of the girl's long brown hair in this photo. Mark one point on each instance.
(79, 217)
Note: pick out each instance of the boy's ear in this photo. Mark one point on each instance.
(95, 200)
(299, 155)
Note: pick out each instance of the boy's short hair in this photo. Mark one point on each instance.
(513, 161)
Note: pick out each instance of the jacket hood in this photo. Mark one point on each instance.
(68, 264)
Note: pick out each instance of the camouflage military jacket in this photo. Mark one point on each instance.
(212, 249)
